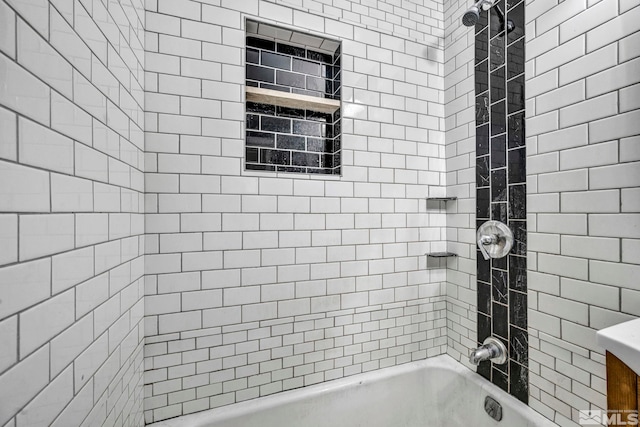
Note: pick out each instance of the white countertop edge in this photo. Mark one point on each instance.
(623, 341)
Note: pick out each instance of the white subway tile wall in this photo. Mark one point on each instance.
(260, 282)
(255, 283)
(72, 226)
(583, 254)
(460, 154)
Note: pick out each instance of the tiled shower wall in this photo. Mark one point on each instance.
(501, 190)
(583, 167)
(71, 204)
(463, 332)
(461, 177)
(574, 288)
(258, 282)
(582, 65)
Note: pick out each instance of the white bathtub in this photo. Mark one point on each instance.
(437, 392)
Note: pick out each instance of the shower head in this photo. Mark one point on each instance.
(472, 15)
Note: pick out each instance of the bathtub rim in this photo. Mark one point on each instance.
(443, 361)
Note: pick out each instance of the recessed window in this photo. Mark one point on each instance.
(293, 82)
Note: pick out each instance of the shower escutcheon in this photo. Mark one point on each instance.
(495, 239)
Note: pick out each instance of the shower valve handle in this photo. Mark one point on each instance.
(487, 239)
(494, 239)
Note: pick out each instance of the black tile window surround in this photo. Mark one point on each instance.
(501, 192)
(284, 139)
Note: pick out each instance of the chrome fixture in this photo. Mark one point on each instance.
(494, 239)
(472, 15)
(493, 408)
(491, 349)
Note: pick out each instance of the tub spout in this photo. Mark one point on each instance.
(491, 349)
(480, 354)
